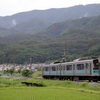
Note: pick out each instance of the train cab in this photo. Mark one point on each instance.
(96, 67)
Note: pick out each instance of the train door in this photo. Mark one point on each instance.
(90, 69)
(87, 68)
(58, 69)
(62, 69)
(74, 69)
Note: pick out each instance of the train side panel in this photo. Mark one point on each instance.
(85, 69)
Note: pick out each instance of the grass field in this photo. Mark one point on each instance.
(45, 93)
(12, 89)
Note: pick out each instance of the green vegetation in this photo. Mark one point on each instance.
(53, 90)
(81, 36)
(7, 82)
(26, 73)
(46, 94)
(9, 71)
(46, 89)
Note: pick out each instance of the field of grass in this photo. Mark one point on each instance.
(12, 89)
(45, 93)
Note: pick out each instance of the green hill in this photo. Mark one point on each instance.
(81, 37)
(31, 27)
(51, 16)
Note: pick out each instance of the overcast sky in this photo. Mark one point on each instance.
(9, 7)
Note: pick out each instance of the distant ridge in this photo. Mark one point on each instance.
(88, 26)
(51, 16)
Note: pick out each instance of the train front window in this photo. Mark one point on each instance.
(96, 64)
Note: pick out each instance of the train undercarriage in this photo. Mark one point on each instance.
(75, 78)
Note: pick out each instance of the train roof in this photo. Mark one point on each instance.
(86, 58)
(74, 61)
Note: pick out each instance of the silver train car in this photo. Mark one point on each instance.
(88, 69)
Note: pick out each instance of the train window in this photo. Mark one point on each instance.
(80, 66)
(46, 68)
(53, 68)
(69, 67)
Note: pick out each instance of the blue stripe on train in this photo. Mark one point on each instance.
(53, 73)
(80, 72)
(95, 72)
(45, 73)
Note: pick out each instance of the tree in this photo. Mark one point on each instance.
(26, 73)
(11, 71)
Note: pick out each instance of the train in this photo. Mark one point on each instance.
(79, 69)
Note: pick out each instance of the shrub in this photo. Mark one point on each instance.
(3, 85)
(84, 84)
(26, 73)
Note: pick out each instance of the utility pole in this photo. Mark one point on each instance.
(64, 56)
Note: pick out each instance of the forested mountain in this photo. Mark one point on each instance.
(88, 23)
(31, 27)
(6, 32)
(81, 37)
(42, 34)
(51, 16)
(38, 20)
